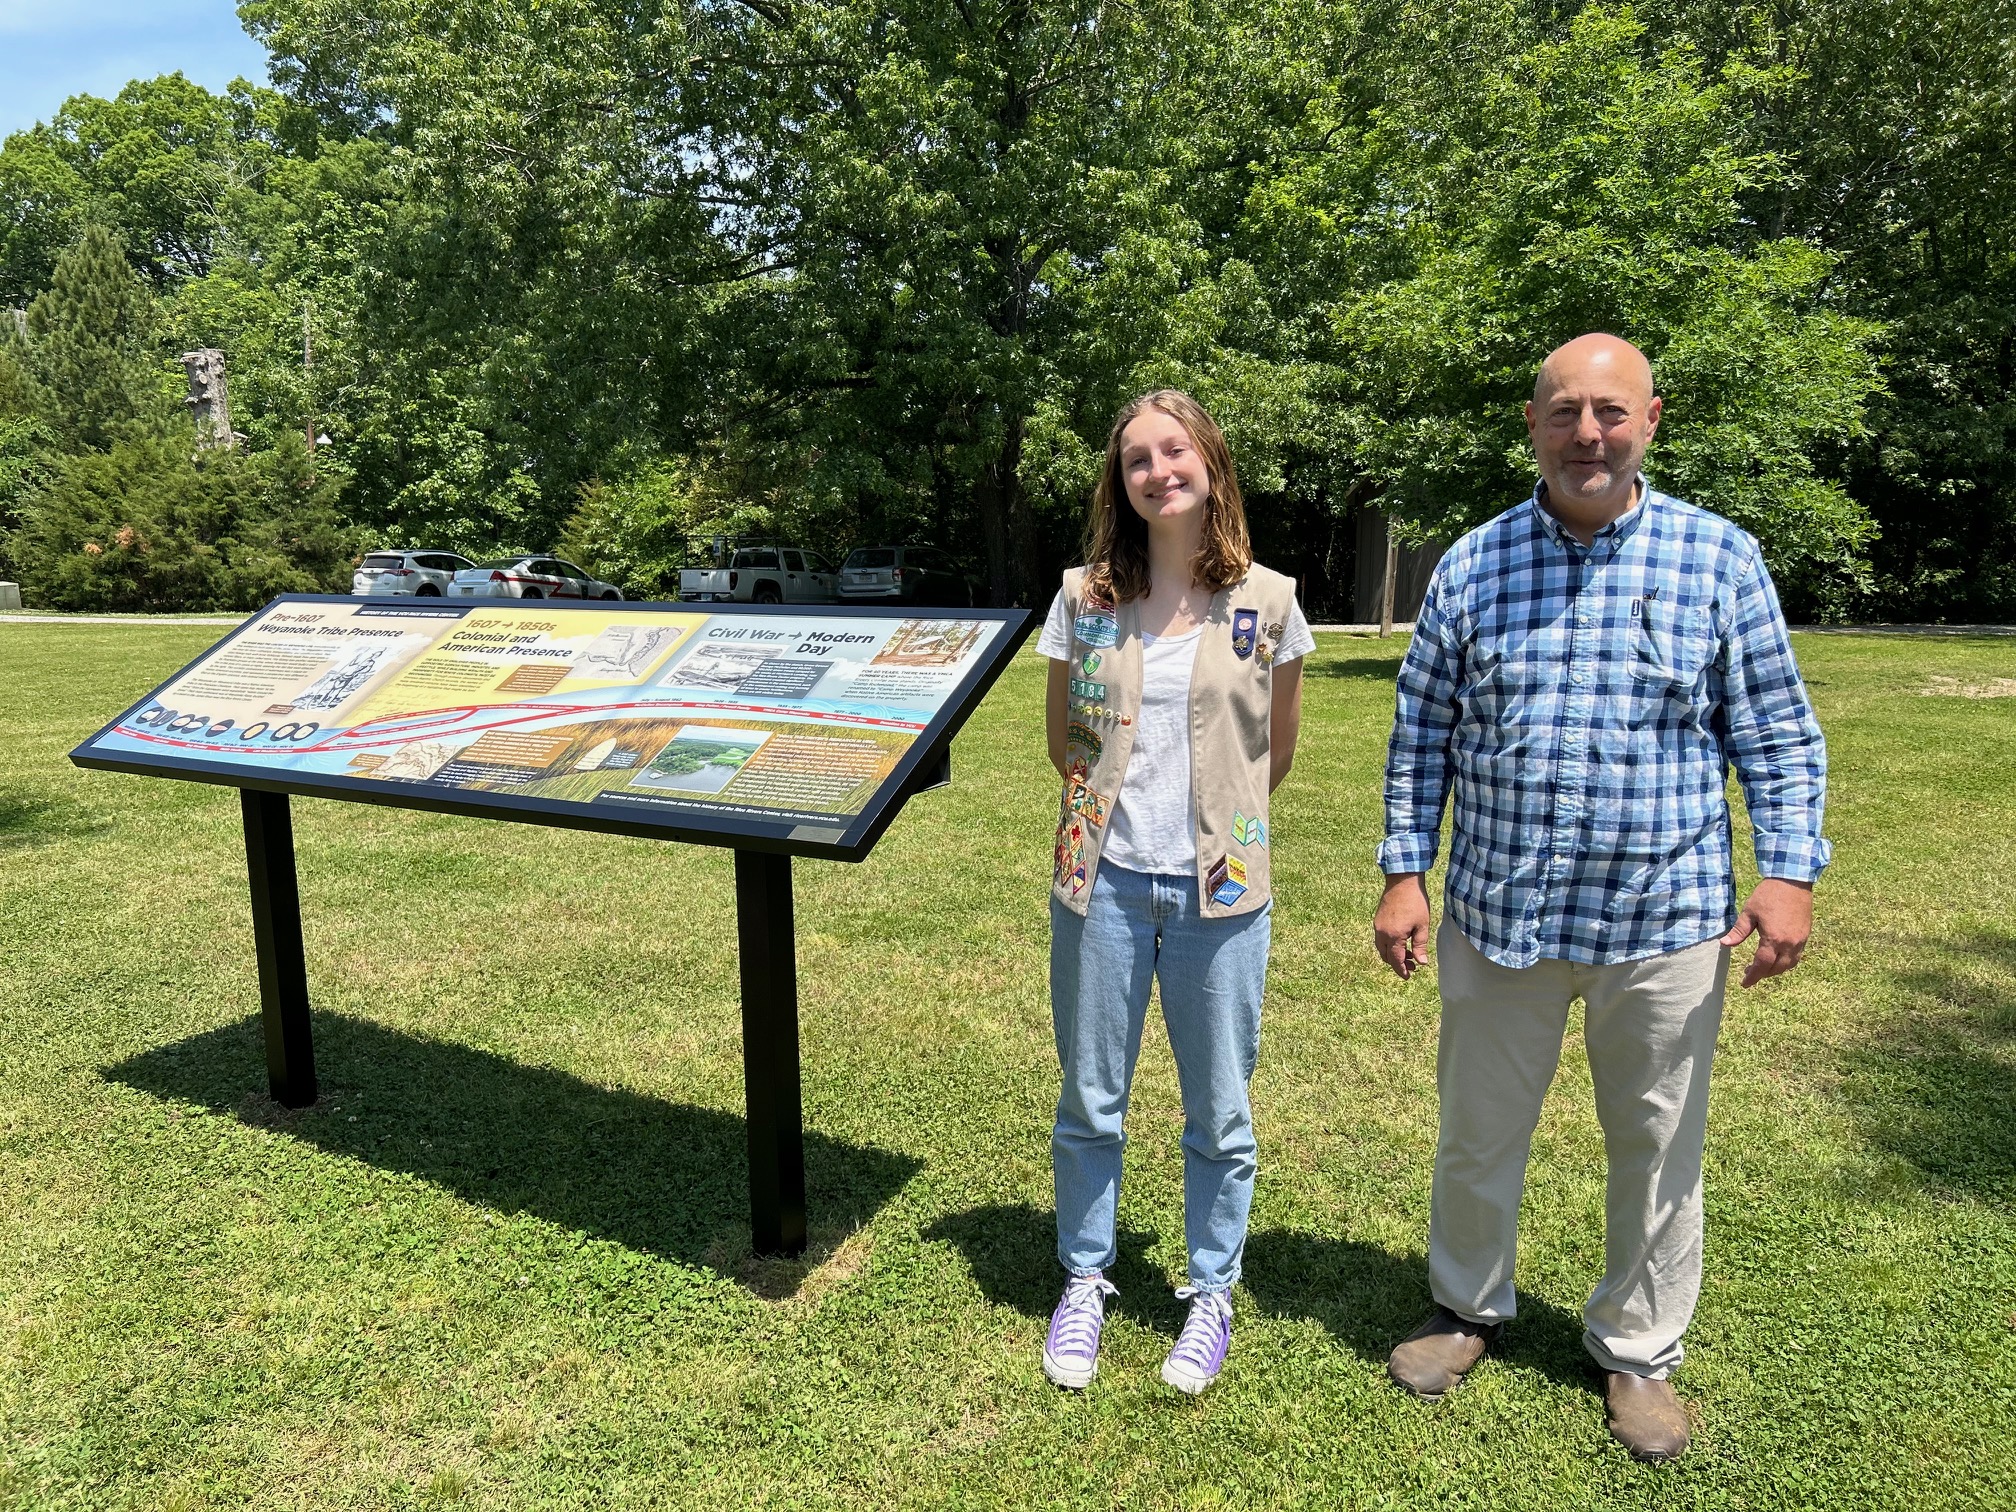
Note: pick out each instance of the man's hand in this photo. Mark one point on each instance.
(1400, 928)
(1780, 914)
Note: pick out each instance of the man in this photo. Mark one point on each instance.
(1584, 670)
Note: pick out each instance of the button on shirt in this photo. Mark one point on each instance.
(1585, 704)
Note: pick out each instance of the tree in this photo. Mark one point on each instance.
(158, 165)
(1561, 183)
(875, 248)
(152, 524)
(1897, 132)
(90, 344)
(111, 505)
(24, 436)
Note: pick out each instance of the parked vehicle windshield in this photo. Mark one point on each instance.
(380, 561)
(872, 556)
(501, 562)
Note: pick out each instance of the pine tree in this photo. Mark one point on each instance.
(91, 331)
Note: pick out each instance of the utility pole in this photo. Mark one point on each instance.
(1392, 575)
(308, 376)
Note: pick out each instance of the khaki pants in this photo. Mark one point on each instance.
(1650, 1030)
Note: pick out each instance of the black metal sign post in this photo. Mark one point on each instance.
(276, 935)
(770, 1052)
(254, 740)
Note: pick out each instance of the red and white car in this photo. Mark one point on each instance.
(530, 577)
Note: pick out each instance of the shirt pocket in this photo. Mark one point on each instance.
(1669, 643)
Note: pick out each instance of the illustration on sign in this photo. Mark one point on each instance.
(786, 716)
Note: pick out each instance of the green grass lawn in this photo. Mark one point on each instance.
(503, 1262)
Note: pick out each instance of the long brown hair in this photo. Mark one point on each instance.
(1116, 537)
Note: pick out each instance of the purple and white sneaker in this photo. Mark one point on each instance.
(1071, 1353)
(1200, 1349)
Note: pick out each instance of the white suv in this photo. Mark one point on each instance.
(421, 574)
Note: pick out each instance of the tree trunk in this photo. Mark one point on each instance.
(1006, 523)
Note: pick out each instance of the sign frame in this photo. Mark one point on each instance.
(922, 766)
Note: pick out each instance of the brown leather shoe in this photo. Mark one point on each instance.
(1434, 1358)
(1645, 1416)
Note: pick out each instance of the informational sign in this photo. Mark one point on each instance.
(803, 729)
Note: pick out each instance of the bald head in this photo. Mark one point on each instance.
(1598, 354)
(1592, 416)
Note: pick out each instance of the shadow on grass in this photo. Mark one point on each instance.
(26, 822)
(1368, 668)
(1011, 1248)
(663, 1178)
(1937, 1085)
(1370, 1299)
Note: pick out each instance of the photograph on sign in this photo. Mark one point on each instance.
(794, 717)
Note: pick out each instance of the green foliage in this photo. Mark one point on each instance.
(884, 272)
(104, 500)
(159, 164)
(638, 530)
(856, 243)
(25, 439)
(90, 345)
(149, 525)
(1898, 128)
(1581, 185)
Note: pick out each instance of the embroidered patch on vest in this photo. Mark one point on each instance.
(1084, 735)
(1097, 629)
(1080, 799)
(1226, 880)
(1245, 622)
(1096, 691)
(1247, 831)
(1070, 852)
(1090, 663)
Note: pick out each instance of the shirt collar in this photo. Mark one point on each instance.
(1615, 533)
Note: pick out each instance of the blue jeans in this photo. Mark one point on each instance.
(1138, 928)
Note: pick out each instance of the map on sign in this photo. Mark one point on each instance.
(780, 716)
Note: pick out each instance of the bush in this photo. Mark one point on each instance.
(151, 525)
(635, 531)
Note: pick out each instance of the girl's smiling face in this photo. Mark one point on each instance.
(1165, 472)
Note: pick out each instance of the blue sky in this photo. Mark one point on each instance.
(53, 49)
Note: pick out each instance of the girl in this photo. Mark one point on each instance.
(1175, 694)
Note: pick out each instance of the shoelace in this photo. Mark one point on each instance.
(1210, 1318)
(1080, 1314)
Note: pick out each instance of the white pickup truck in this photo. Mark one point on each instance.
(762, 575)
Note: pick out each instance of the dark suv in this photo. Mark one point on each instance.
(904, 574)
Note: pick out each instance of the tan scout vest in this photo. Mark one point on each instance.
(1231, 713)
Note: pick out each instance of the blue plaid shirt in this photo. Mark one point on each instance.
(1587, 704)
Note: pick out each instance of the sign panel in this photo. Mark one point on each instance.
(792, 729)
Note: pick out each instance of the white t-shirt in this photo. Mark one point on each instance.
(1152, 828)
